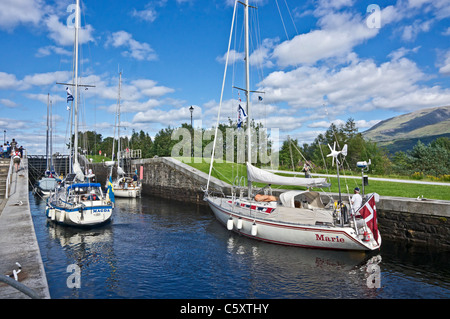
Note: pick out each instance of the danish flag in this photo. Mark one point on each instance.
(369, 212)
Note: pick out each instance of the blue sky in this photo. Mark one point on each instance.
(317, 62)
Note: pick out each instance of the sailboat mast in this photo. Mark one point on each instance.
(118, 120)
(247, 92)
(51, 138)
(77, 24)
(46, 146)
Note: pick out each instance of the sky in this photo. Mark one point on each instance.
(316, 62)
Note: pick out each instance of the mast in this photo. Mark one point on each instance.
(51, 138)
(46, 146)
(247, 92)
(77, 24)
(118, 120)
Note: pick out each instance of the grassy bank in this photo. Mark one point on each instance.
(228, 171)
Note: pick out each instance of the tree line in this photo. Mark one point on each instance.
(422, 160)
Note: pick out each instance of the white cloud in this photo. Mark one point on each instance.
(40, 79)
(163, 117)
(149, 88)
(64, 35)
(136, 50)
(44, 98)
(15, 12)
(9, 81)
(49, 49)
(148, 14)
(410, 32)
(339, 34)
(445, 68)
(8, 103)
(361, 85)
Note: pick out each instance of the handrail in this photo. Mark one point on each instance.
(19, 286)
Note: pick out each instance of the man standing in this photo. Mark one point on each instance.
(356, 199)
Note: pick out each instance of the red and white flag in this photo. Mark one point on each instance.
(369, 212)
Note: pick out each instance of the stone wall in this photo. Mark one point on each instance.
(424, 222)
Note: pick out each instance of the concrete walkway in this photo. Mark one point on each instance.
(18, 242)
(393, 180)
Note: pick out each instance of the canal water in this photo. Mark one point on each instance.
(161, 249)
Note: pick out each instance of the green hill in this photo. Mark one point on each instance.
(402, 132)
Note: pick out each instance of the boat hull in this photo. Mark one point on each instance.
(82, 216)
(127, 192)
(290, 234)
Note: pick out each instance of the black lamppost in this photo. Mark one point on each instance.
(192, 137)
(4, 136)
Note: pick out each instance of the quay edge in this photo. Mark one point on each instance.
(18, 242)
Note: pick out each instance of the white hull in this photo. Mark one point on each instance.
(87, 215)
(79, 204)
(130, 192)
(260, 226)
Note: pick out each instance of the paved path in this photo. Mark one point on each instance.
(18, 243)
(300, 174)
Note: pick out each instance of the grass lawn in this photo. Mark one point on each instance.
(227, 171)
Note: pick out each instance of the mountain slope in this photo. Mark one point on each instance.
(402, 132)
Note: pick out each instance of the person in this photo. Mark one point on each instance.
(356, 199)
(92, 196)
(21, 151)
(13, 144)
(265, 198)
(5, 150)
(16, 159)
(307, 169)
(1, 150)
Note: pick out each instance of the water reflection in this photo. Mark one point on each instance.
(155, 248)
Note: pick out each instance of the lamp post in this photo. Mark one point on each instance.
(192, 137)
(4, 136)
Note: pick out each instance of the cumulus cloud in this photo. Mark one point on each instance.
(9, 81)
(445, 68)
(360, 85)
(49, 49)
(134, 49)
(16, 12)
(338, 35)
(63, 34)
(8, 103)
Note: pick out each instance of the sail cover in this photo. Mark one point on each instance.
(255, 174)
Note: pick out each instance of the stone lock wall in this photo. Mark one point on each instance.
(424, 222)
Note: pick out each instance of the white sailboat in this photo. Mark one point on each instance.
(78, 202)
(124, 185)
(296, 218)
(50, 181)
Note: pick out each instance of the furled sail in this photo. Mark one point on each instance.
(255, 174)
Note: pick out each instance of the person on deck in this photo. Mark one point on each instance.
(265, 198)
(356, 199)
